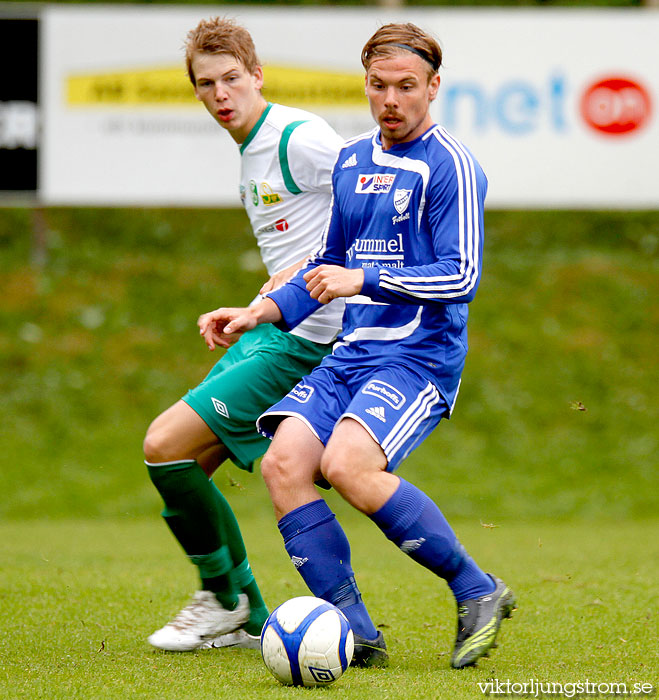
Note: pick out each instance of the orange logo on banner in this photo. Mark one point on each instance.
(616, 106)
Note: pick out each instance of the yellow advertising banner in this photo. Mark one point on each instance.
(291, 85)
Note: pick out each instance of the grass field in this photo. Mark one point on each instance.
(548, 469)
(79, 598)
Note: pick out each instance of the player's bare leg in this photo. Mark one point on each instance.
(291, 466)
(211, 459)
(354, 463)
(176, 434)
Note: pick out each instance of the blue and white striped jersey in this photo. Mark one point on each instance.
(412, 218)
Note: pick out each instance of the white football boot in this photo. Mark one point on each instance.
(203, 620)
(238, 639)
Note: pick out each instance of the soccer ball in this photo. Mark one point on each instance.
(307, 641)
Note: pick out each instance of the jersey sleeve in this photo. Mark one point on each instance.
(454, 211)
(293, 298)
(308, 151)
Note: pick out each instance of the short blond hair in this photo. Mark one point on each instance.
(220, 35)
(394, 38)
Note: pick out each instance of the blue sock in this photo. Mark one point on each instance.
(416, 525)
(320, 551)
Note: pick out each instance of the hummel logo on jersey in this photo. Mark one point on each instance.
(350, 162)
(375, 183)
(377, 412)
(299, 561)
(220, 407)
(411, 545)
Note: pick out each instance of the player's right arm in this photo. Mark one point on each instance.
(217, 327)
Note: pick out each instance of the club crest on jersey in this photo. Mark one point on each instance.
(253, 188)
(301, 393)
(386, 392)
(375, 183)
(401, 199)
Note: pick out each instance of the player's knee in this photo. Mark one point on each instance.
(156, 447)
(335, 470)
(278, 470)
(270, 469)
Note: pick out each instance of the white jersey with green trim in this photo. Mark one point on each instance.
(286, 189)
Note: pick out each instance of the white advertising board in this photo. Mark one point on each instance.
(559, 106)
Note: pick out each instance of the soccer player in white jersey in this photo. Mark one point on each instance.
(287, 157)
(403, 245)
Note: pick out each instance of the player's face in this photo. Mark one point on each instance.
(229, 92)
(399, 95)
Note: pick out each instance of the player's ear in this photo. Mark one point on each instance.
(434, 86)
(258, 77)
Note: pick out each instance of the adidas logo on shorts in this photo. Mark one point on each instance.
(377, 412)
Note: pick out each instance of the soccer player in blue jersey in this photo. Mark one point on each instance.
(287, 156)
(403, 245)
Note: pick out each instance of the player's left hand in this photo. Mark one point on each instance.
(212, 326)
(327, 282)
(225, 325)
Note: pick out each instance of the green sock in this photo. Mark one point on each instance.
(215, 573)
(243, 578)
(195, 516)
(241, 575)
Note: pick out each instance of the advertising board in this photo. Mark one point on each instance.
(558, 105)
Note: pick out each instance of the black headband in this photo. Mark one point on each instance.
(432, 63)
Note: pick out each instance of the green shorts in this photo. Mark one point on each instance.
(252, 375)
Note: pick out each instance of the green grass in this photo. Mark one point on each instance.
(548, 469)
(101, 338)
(79, 598)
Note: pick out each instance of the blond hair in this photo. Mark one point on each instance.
(220, 35)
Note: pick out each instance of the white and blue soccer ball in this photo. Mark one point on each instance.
(307, 641)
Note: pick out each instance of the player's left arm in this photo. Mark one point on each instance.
(454, 212)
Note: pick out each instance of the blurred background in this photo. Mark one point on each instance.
(120, 223)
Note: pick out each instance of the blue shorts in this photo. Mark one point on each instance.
(398, 407)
